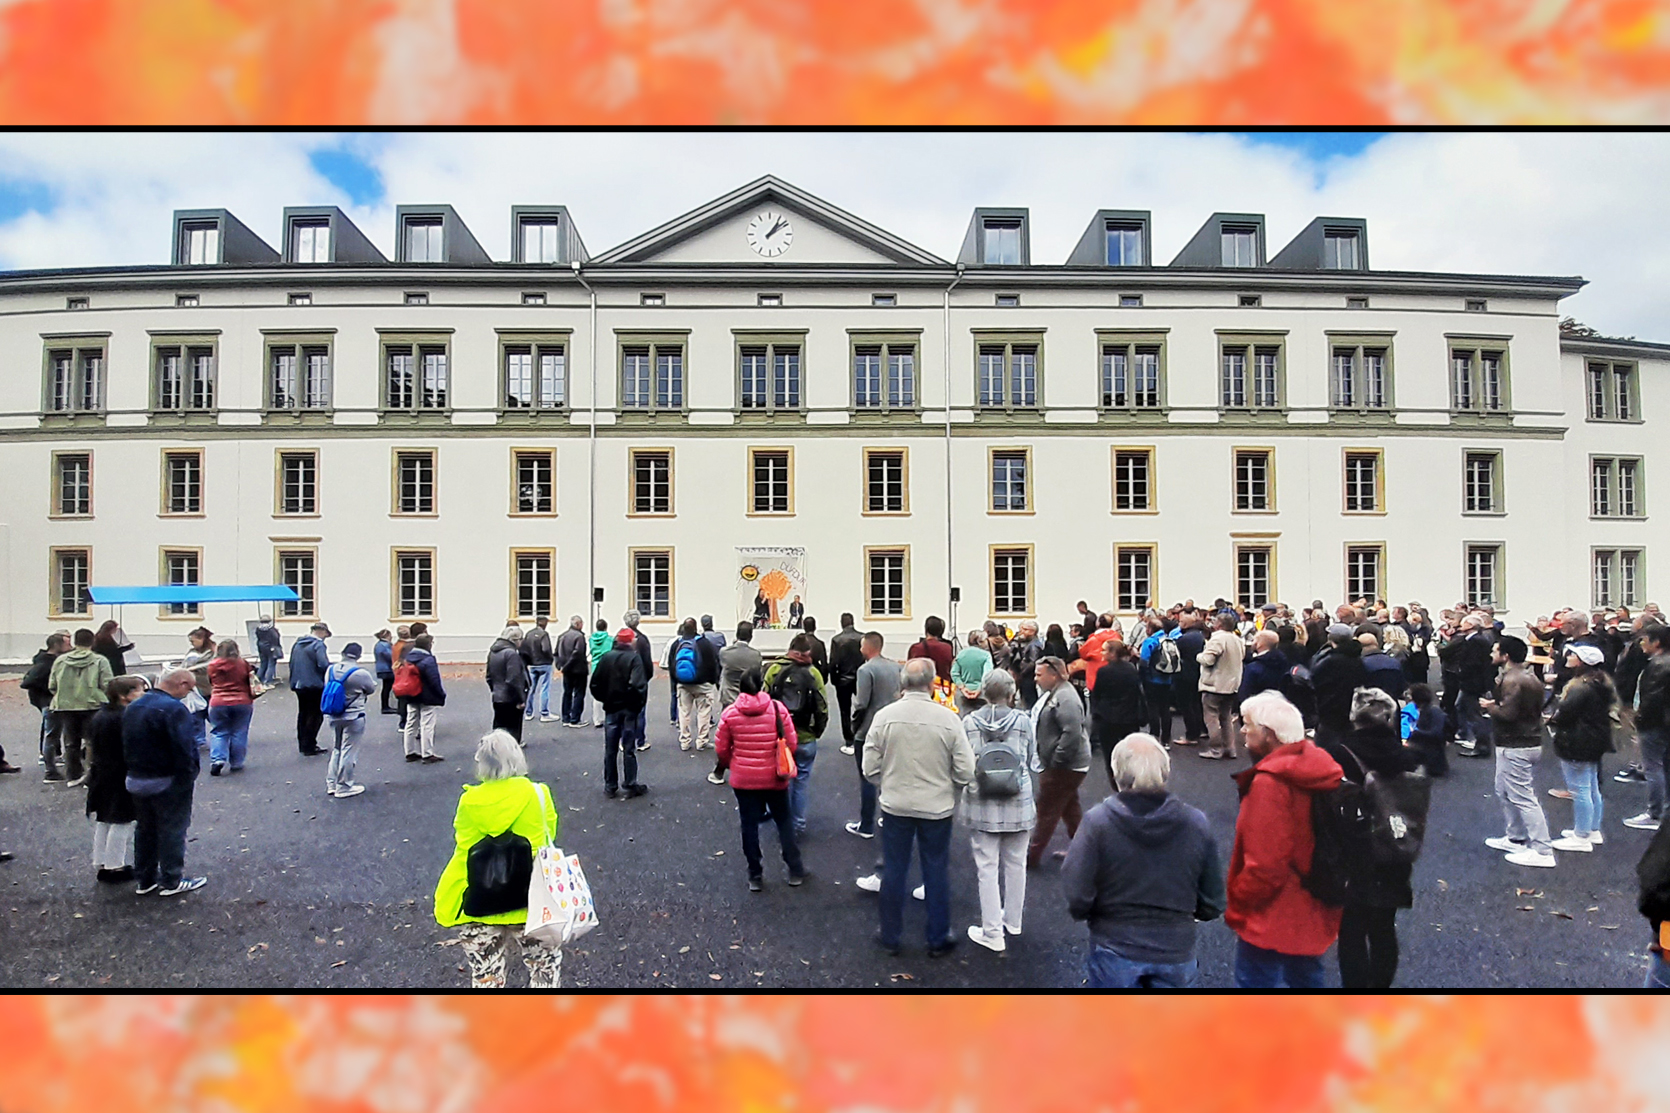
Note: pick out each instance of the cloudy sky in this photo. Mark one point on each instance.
(1586, 204)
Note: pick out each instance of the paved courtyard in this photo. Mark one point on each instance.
(308, 892)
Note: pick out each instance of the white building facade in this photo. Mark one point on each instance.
(769, 379)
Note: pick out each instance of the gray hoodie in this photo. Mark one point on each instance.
(1011, 729)
(356, 685)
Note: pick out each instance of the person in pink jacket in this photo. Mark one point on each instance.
(747, 745)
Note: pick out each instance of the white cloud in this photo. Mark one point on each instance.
(1495, 203)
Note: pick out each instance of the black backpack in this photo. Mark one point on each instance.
(1340, 827)
(498, 871)
(792, 687)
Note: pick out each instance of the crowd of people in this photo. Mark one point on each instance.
(1336, 713)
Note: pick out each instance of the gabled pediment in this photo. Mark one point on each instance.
(769, 223)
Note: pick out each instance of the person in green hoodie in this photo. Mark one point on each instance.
(506, 802)
(601, 642)
(77, 686)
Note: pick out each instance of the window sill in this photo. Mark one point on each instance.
(416, 417)
(1615, 421)
(531, 514)
(769, 417)
(54, 617)
(1617, 517)
(1134, 413)
(532, 414)
(1137, 513)
(1265, 513)
(399, 514)
(69, 517)
(1363, 513)
(166, 419)
(1011, 513)
(198, 617)
(884, 513)
(64, 419)
(1484, 513)
(171, 514)
(769, 514)
(296, 517)
(1374, 417)
(651, 514)
(310, 416)
(631, 417)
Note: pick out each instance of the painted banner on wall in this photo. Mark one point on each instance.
(771, 587)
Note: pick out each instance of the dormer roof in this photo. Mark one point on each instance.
(457, 244)
(1206, 249)
(233, 242)
(347, 243)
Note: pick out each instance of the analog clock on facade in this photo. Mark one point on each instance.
(770, 234)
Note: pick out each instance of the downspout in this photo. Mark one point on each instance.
(591, 466)
(950, 563)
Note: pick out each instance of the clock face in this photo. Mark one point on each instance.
(770, 234)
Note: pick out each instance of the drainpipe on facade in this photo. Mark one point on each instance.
(945, 356)
(591, 467)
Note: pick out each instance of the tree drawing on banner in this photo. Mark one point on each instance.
(775, 586)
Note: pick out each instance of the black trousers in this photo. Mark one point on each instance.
(844, 691)
(1367, 947)
(388, 690)
(508, 717)
(1159, 711)
(1194, 717)
(1027, 685)
(756, 805)
(308, 718)
(159, 835)
(1107, 737)
(573, 694)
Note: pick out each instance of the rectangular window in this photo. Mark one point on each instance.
(301, 299)
(1339, 250)
(1002, 243)
(186, 301)
(1611, 392)
(533, 589)
(1130, 376)
(770, 300)
(1130, 301)
(1124, 244)
(886, 489)
(1010, 480)
(1478, 380)
(1133, 479)
(310, 242)
(1008, 376)
(72, 485)
(769, 377)
(182, 482)
(1356, 303)
(298, 483)
(1012, 581)
(652, 481)
(1133, 577)
(185, 378)
(1614, 487)
(884, 376)
(72, 575)
(535, 376)
(300, 377)
(1250, 301)
(417, 298)
(414, 482)
(77, 303)
(1481, 483)
(535, 490)
(652, 377)
(1254, 488)
(884, 300)
(539, 241)
(772, 472)
(202, 244)
(652, 299)
(1240, 245)
(1483, 575)
(182, 568)
(423, 241)
(414, 583)
(1358, 378)
(76, 382)
(1599, 391)
(533, 299)
(417, 377)
(1363, 570)
(298, 571)
(1254, 575)
(886, 580)
(1344, 378)
(652, 582)
(1251, 377)
(1362, 483)
(1007, 301)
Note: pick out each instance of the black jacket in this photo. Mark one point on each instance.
(1264, 672)
(35, 680)
(1468, 659)
(820, 655)
(1384, 672)
(1653, 712)
(1117, 699)
(846, 654)
(1630, 663)
(1582, 718)
(1379, 751)
(107, 792)
(1334, 674)
(1190, 643)
(159, 738)
(617, 681)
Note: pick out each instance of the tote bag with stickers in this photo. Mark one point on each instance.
(560, 906)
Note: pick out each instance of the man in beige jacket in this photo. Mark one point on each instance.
(1220, 680)
(919, 758)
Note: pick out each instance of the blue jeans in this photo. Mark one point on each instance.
(1257, 968)
(799, 789)
(1655, 763)
(49, 729)
(1106, 968)
(618, 738)
(539, 687)
(1474, 723)
(268, 672)
(933, 837)
(159, 835)
(229, 733)
(1658, 973)
(642, 721)
(1583, 779)
(867, 794)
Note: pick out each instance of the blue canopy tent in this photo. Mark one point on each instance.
(164, 594)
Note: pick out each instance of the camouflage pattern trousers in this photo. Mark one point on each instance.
(486, 946)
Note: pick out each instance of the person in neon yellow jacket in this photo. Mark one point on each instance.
(506, 801)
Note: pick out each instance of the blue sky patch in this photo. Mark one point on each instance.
(1319, 146)
(349, 172)
(19, 197)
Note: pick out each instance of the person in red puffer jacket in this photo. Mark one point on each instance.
(1283, 931)
(747, 744)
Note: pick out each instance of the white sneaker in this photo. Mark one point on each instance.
(978, 934)
(1011, 931)
(548, 718)
(1642, 822)
(920, 892)
(186, 885)
(716, 778)
(870, 883)
(854, 828)
(1594, 836)
(848, 750)
(1572, 843)
(1529, 857)
(1504, 844)
(351, 790)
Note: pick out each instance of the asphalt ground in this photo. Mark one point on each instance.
(309, 892)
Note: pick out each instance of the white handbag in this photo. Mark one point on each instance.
(560, 906)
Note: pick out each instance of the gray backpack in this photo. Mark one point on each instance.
(997, 773)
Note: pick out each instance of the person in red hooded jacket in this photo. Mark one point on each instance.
(1282, 930)
(1093, 653)
(747, 744)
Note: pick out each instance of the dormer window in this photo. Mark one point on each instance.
(1250, 301)
(423, 240)
(1124, 243)
(1339, 250)
(533, 299)
(202, 243)
(1002, 245)
(417, 298)
(185, 301)
(76, 303)
(1240, 245)
(310, 241)
(771, 299)
(301, 299)
(539, 241)
(652, 299)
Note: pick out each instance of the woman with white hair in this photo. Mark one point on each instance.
(507, 679)
(1142, 870)
(483, 891)
(998, 807)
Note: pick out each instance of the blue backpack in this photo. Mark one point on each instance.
(334, 699)
(686, 662)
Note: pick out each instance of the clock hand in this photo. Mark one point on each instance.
(774, 227)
